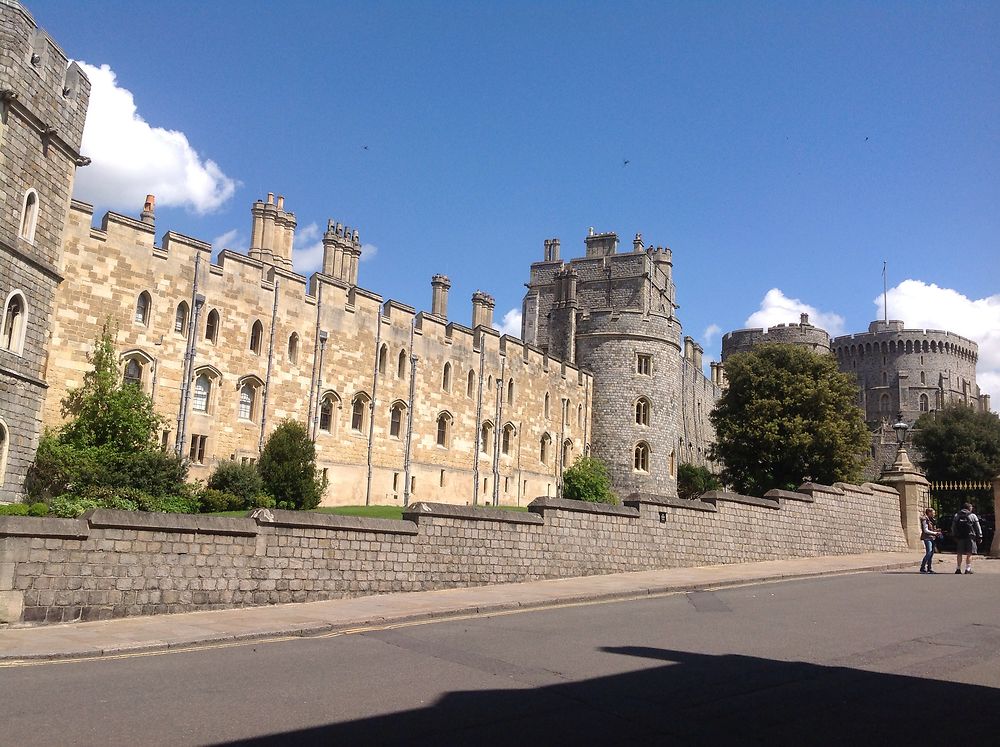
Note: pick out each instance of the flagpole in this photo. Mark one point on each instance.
(885, 293)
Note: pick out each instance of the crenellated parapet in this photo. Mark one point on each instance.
(803, 334)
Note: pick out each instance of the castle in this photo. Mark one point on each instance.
(401, 404)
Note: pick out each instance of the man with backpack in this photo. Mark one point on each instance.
(967, 532)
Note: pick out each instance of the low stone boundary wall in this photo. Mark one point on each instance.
(120, 563)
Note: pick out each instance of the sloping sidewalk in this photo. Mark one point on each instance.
(111, 637)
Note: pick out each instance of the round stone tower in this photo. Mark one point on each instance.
(803, 334)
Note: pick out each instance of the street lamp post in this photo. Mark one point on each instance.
(902, 458)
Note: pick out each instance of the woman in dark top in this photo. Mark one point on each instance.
(928, 533)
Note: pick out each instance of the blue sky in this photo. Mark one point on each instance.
(782, 150)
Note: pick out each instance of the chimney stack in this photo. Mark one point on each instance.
(439, 295)
(482, 309)
(148, 217)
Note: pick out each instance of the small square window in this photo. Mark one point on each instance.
(643, 364)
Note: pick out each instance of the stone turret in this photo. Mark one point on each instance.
(439, 295)
(482, 309)
(272, 232)
(562, 317)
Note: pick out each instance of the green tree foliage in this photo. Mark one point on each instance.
(788, 415)
(959, 443)
(588, 480)
(692, 481)
(287, 467)
(106, 452)
(234, 486)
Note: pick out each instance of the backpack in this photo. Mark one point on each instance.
(963, 525)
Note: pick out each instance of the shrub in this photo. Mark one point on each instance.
(692, 481)
(211, 500)
(288, 467)
(72, 506)
(38, 509)
(13, 509)
(588, 480)
(240, 480)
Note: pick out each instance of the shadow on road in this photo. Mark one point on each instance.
(689, 699)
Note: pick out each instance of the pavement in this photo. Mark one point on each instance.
(193, 629)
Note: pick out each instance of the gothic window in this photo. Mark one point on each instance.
(249, 394)
(444, 430)
(14, 324)
(486, 437)
(544, 449)
(142, 308)
(506, 442)
(293, 347)
(567, 453)
(923, 378)
(643, 364)
(256, 337)
(327, 405)
(885, 378)
(545, 407)
(641, 454)
(4, 443)
(401, 365)
(396, 413)
(383, 359)
(212, 327)
(642, 407)
(359, 409)
(884, 404)
(133, 372)
(471, 386)
(29, 215)
(510, 392)
(202, 393)
(446, 377)
(924, 403)
(579, 415)
(181, 319)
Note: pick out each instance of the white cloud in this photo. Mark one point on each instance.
(777, 308)
(511, 324)
(229, 240)
(368, 251)
(307, 252)
(926, 306)
(131, 158)
(711, 332)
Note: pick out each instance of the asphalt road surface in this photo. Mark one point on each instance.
(873, 658)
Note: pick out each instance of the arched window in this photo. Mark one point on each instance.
(133, 372)
(249, 395)
(444, 430)
(256, 337)
(401, 365)
(470, 388)
(642, 411)
(383, 359)
(579, 415)
(212, 327)
(641, 461)
(396, 413)
(359, 410)
(4, 444)
(923, 378)
(143, 306)
(202, 393)
(327, 404)
(544, 448)
(545, 407)
(446, 377)
(293, 347)
(567, 453)
(486, 437)
(181, 318)
(29, 215)
(506, 443)
(510, 392)
(14, 323)
(884, 403)
(885, 378)
(924, 403)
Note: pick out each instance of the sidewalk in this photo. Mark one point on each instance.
(129, 635)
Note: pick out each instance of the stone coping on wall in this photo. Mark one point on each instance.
(635, 499)
(884, 489)
(714, 496)
(811, 488)
(331, 522)
(158, 522)
(542, 504)
(788, 495)
(417, 511)
(36, 526)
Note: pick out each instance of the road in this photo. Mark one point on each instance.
(872, 658)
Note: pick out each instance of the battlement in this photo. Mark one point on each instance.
(802, 334)
(893, 338)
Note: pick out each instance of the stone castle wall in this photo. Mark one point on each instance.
(803, 335)
(369, 344)
(116, 564)
(43, 105)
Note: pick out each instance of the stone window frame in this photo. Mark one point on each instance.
(214, 379)
(579, 415)
(567, 452)
(4, 450)
(145, 362)
(249, 387)
(383, 359)
(14, 328)
(446, 377)
(507, 435)
(470, 388)
(924, 402)
(486, 436)
(397, 411)
(643, 364)
(213, 322)
(198, 450)
(182, 317)
(360, 406)
(256, 336)
(30, 208)
(547, 407)
(885, 403)
(641, 457)
(445, 420)
(510, 391)
(293, 347)
(544, 448)
(143, 308)
(330, 399)
(643, 411)
(401, 364)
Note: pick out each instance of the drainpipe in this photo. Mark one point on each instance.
(564, 401)
(409, 422)
(371, 406)
(586, 418)
(270, 364)
(479, 426)
(313, 385)
(318, 391)
(497, 433)
(520, 475)
(188, 365)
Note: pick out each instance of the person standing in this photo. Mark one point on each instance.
(928, 533)
(966, 530)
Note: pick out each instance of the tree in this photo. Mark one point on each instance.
(288, 467)
(959, 443)
(788, 415)
(588, 480)
(692, 481)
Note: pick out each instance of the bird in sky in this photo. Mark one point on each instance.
(625, 163)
